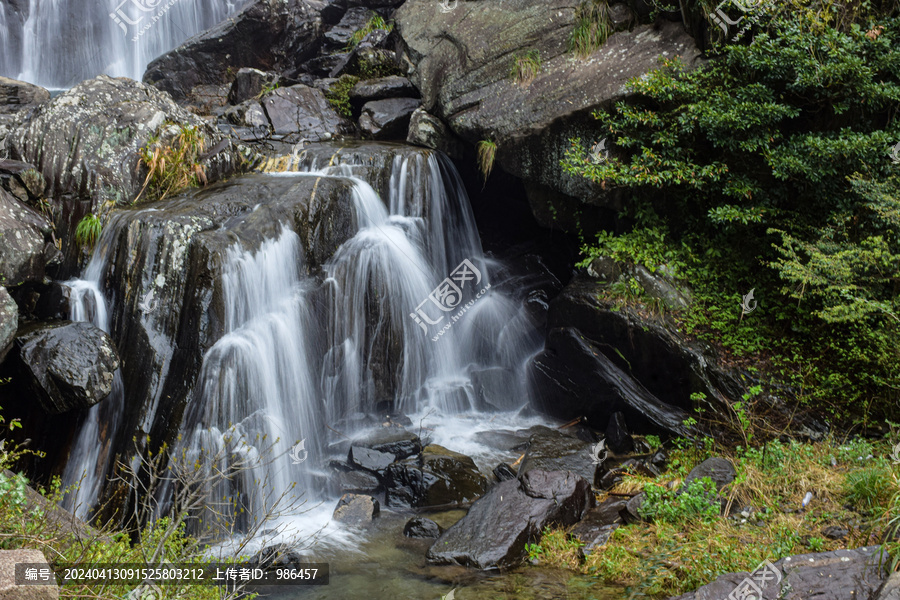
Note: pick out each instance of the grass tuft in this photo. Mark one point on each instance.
(338, 94)
(526, 67)
(88, 231)
(592, 28)
(375, 22)
(487, 152)
(175, 165)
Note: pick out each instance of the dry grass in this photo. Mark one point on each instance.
(175, 165)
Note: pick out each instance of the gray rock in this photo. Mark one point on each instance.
(633, 507)
(598, 524)
(890, 589)
(9, 322)
(70, 365)
(720, 470)
(605, 269)
(392, 440)
(661, 288)
(17, 95)
(420, 527)
(356, 509)
(392, 86)
(249, 84)
(357, 482)
(249, 113)
(836, 575)
(86, 140)
(427, 130)
(504, 439)
(276, 35)
(8, 588)
(437, 477)
(305, 111)
(22, 180)
(352, 21)
(513, 513)
(370, 460)
(550, 450)
(621, 17)
(23, 254)
(324, 65)
(387, 119)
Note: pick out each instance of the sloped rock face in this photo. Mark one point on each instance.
(9, 322)
(86, 140)
(24, 251)
(17, 95)
(270, 35)
(463, 58)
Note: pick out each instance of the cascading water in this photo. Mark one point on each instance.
(90, 454)
(58, 43)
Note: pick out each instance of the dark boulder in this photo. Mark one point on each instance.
(503, 472)
(249, 83)
(437, 477)
(22, 180)
(617, 437)
(352, 21)
(512, 514)
(719, 470)
(392, 86)
(550, 450)
(420, 527)
(269, 35)
(387, 119)
(304, 111)
(357, 482)
(370, 460)
(9, 322)
(69, 365)
(599, 523)
(356, 509)
(393, 440)
(17, 95)
(492, 387)
(24, 249)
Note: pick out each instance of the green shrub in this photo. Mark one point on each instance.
(869, 488)
(87, 234)
(697, 501)
(338, 94)
(526, 67)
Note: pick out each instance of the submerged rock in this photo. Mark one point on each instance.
(356, 509)
(513, 513)
(437, 477)
(70, 365)
(420, 527)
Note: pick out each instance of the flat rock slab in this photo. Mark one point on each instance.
(393, 440)
(550, 450)
(305, 111)
(356, 509)
(513, 513)
(370, 460)
(837, 575)
(8, 588)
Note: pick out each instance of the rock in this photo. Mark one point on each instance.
(504, 439)
(632, 509)
(387, 119)
(370, 460)
(617, 437)
(835, 533)
(22, 180)
(503, 472)
(437, 477)
(356, 509)
(249, 83)
(550, 450)
(835, 575)
(890, 589)
(605, 269)
(86, 140)
(23, 254)
(621, 17)
(249, 113)
(305, 111)
(208, 99)
(392, 86)
(357, 482)
(368, 59)
(720, 470)
(322, 66)
(661, 288)
(420, 527)
(492, 387)
(33, 558)
(71, 365)
(598, 524)
(17, 95)
(9, 322)
(393, 440)
(352, 21)
(269, 35)
(427, 130)
(462, 61)
(513, 513)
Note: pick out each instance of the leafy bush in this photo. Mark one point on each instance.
(87, 234)
(173, 165)
(698, 501)
(526, 67)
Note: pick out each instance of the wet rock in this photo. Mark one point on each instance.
(427, 130)
(599, 523)
(17, 95)
(322, 66)
(387, 119)
(8, 587)
(617, 437)
(392, 86)
(392, 440)
(503, 472)
(23, 252)
(86, 140)
(492, 389)
(305, 111)
(352, 21)
(269, 35)
(437, 477)
(835, 575)
(368, 59)
(249, 83)
(632, 509)
(359, 482)
(661, 288)
(720, 470)
(550, 450)
(513, 513)
(420, 527)
(356, 509)
(502, 439)
(70, 365)
(22, 180)
(249, 113)
(9, 322)
(370, 460)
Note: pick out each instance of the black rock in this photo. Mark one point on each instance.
(357, 482)
(420, 527)
(352, 21)
(718, 469)
(387, 119)
(437, 477)
(249, 83)
(392, 440)
(370, 460)
(617, 437)
(503, 472)
(631, 514)
(392, 86)
(550, 450)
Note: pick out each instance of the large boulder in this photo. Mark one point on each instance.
(24, 252)
(835, 575)
(550, 450)
(9, 322)
(13, 588)
(512, 514)
(427, 130)
(22, 180)
(437, 477)
(270, 35)
(70, 365)
(87, 140)
(462, 61)
(387, 119)
(249, 83)
(17, 95)
(304, 111)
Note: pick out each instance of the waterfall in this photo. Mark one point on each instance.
(58, 43)
(90, 454)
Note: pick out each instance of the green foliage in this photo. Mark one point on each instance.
(487, 152)
(338, 94)
(525, 67)
(654, 442)
(870, 487)
(173, 164)
(592, 28)
(376, 21)
(698, 501)
(87, 233)
(768, 169)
